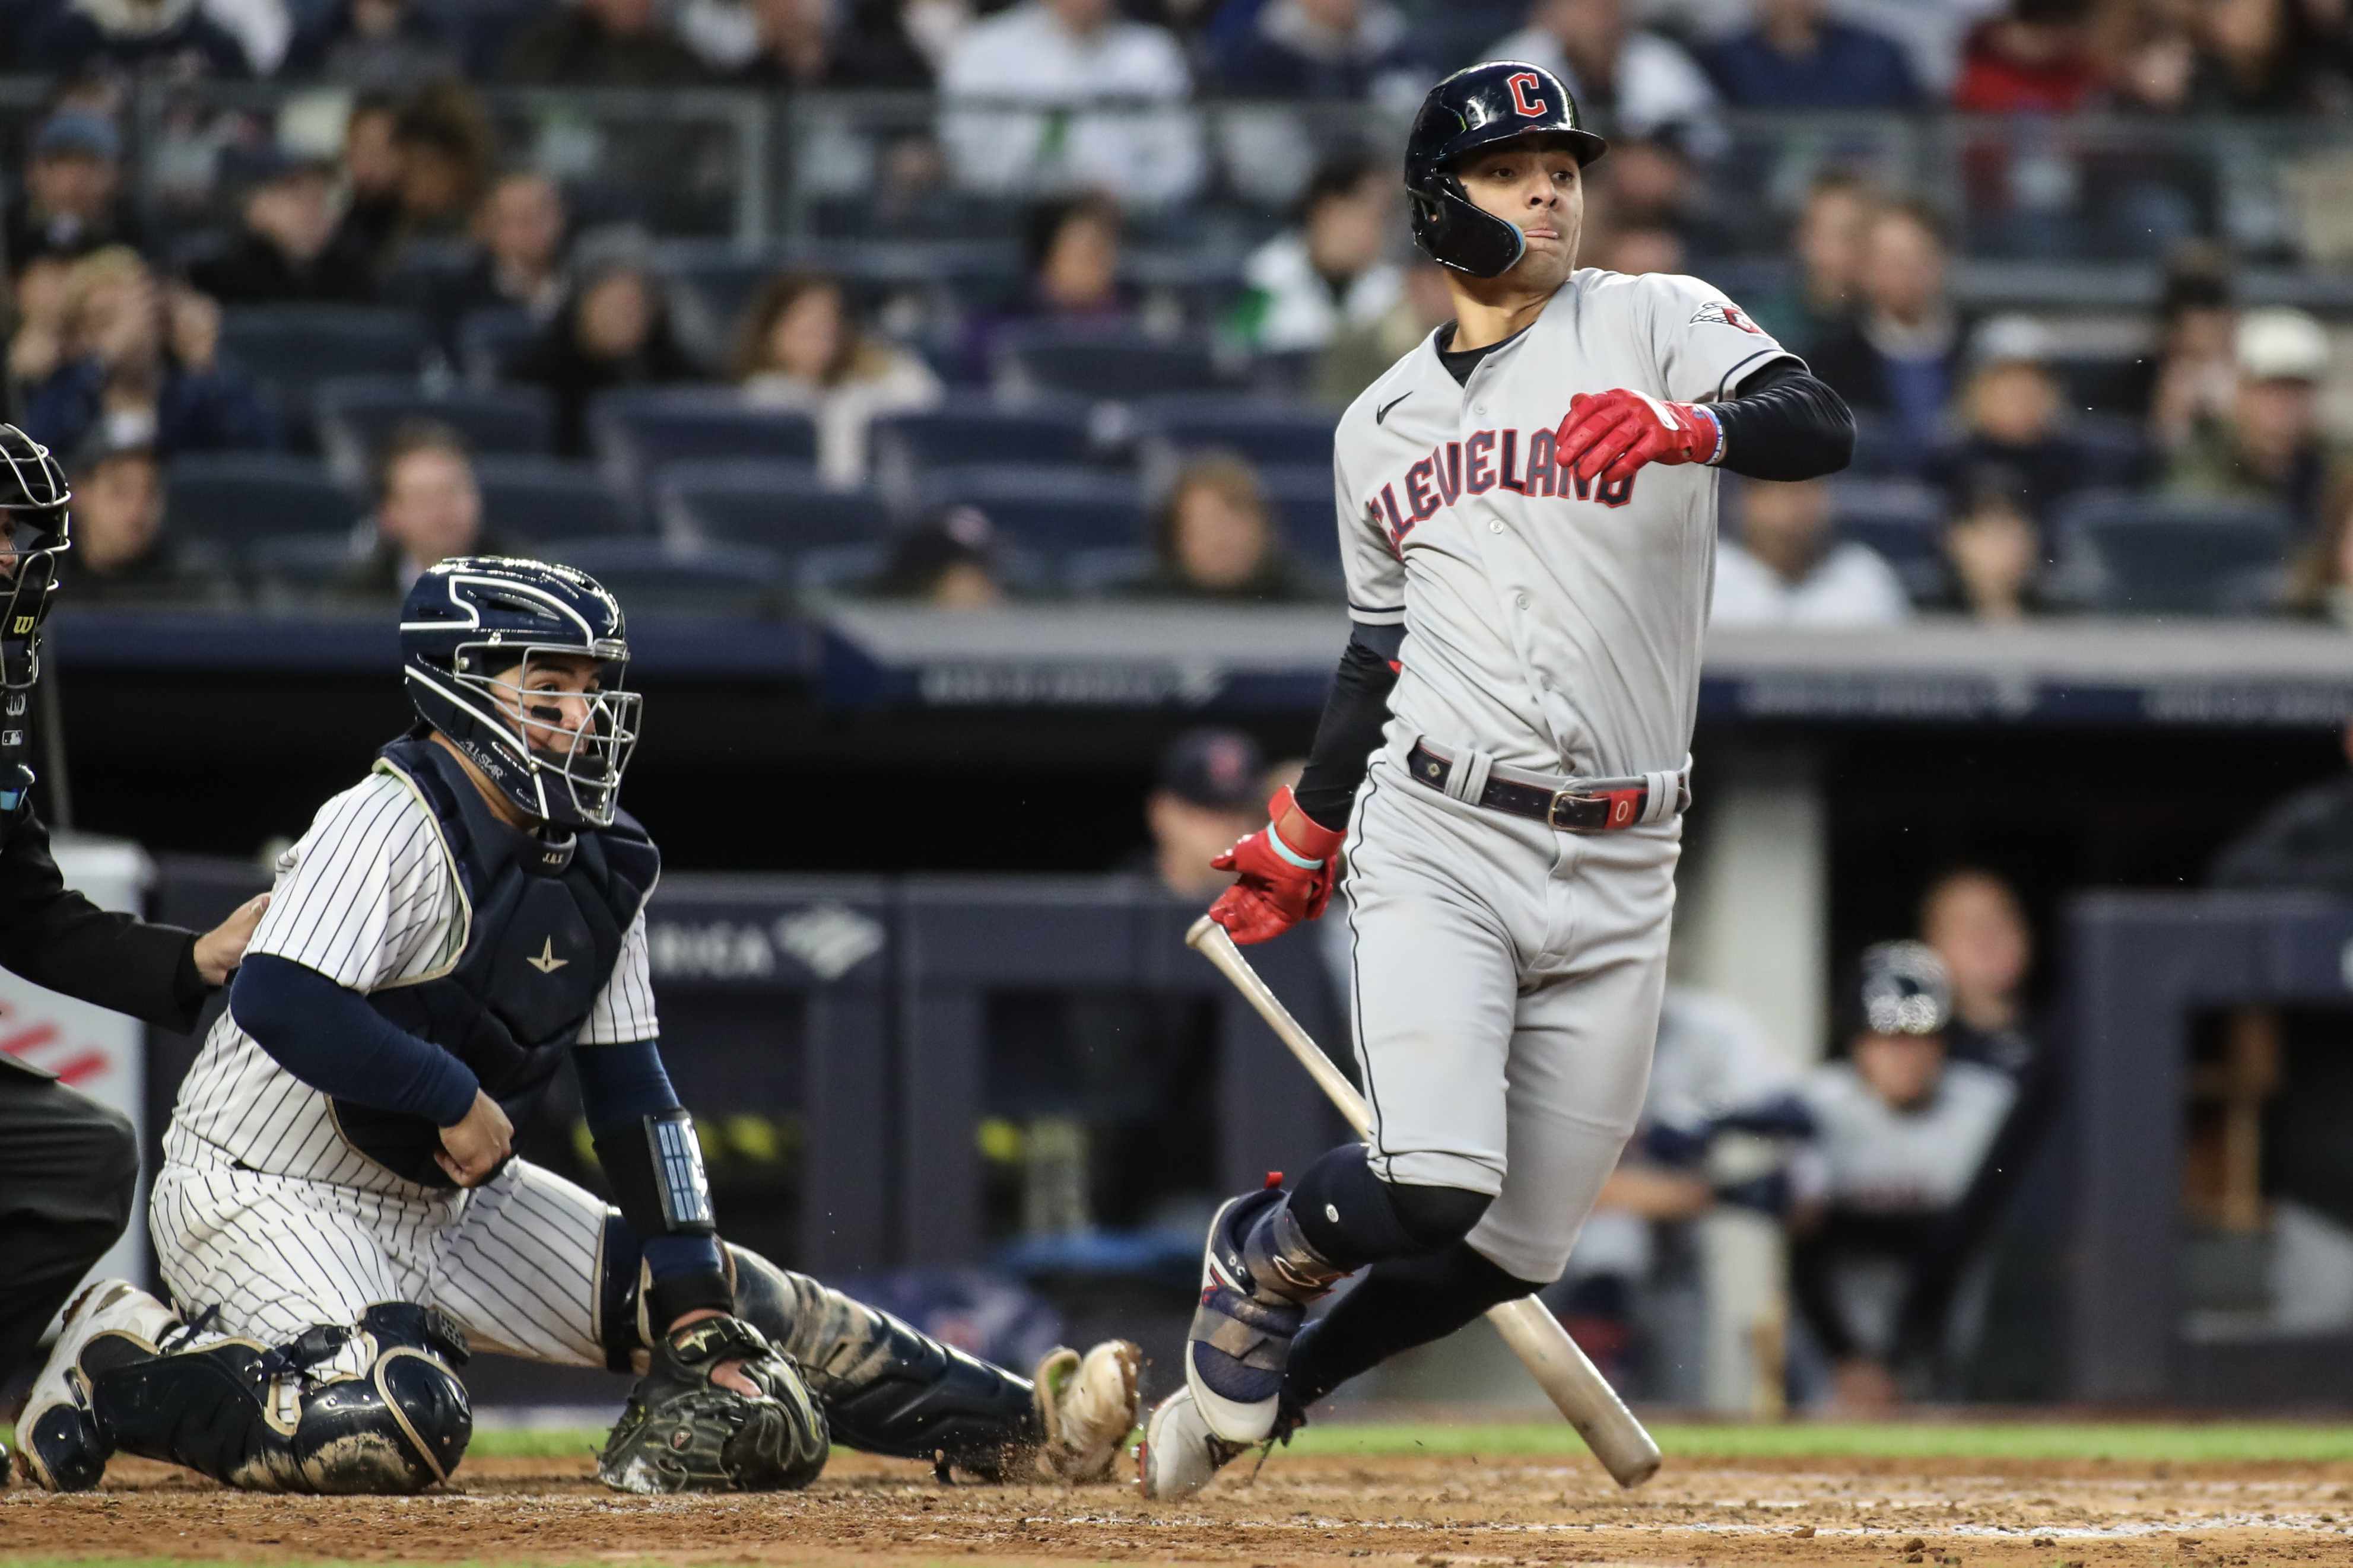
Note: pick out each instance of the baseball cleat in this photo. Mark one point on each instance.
(1258, 1274)
(63, 1450)
(1179, 1454)
(1087, 1407)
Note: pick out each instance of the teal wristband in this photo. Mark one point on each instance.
(1286, 850)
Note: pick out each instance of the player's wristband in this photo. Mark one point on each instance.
(1322, 841)
(1715, 458)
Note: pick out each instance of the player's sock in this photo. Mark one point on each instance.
(1351, 1217)
(1398, 1305)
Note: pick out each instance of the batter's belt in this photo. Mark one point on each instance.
(1573, 805)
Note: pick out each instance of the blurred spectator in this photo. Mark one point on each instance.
(1636, 78)
(1972, 919)
(2320, 578)
(797, 346)
(948, 562)
(371, 180)
(1900, 1134)
(1320, 50)
(427, 509)
(2263, 57)
(2033, 58)
(170, 38)
(1652, 183)
(1647, 247)
(2014, 449)
(612, 330)
(1786, 570)
(1829, 241)
(1211, 789)
(2306, 842)
(518, 255)
(602, 43)
(1996, 554)
(1331, 271)
(1059, 55)
(1799, 57)
(121, 553)
(2270, 446)
(384, 46)
(38, 346)
(1361, 353)
(446, 150)
(141, 364)
(812, 44)
(1896, 355)
(1215, 537)
(291, 246)
(72, 201)
(1072, 250)
(2144, 54)
(2192, 375)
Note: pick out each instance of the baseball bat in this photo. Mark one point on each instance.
(1572, 1382)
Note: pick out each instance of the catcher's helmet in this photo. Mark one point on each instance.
(1471, 112)
(468, 632)
(1901, 988)
(32, 500)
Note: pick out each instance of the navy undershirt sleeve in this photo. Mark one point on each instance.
(328, 1036)
(620, 1086)
(1350, 732)
(1784, 423)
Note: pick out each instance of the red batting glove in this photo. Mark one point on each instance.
(1607, 436)
(1283, 873)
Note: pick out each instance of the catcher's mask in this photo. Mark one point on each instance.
(475, 632)
(34, 500)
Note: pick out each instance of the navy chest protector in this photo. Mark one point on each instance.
(545, 936)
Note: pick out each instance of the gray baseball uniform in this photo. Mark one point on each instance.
(1506, 975)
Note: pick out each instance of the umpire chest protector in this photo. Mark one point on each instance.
(544, 923)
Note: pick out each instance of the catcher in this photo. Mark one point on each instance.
(340, 1214)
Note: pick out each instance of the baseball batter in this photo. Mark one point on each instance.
(339, 1213)
(1527, 510)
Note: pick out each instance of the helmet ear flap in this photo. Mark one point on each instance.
(1458, 233)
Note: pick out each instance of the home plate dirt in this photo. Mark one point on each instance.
(1451, 1512)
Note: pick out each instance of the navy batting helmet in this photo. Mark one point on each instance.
(469, 632)
(1468, 112)
(32, 500)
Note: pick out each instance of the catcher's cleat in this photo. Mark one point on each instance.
(112, 1321)
(1179, 1454)
(1258, 1274)
(1087, 1407)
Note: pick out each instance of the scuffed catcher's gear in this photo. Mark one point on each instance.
(1609, 436)
(1283, 873)
(683, 1432)
(1087, 1405)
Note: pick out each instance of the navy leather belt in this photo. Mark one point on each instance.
(1575, 806)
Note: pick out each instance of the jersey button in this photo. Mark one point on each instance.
(1494, 526)
(1521, 600)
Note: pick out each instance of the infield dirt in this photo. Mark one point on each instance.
(1300, 1512)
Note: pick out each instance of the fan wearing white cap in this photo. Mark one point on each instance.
(2271, 446)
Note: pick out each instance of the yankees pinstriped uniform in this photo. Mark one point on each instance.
(265, 1209)
(1506, 976)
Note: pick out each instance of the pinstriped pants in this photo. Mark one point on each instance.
(515, 1261)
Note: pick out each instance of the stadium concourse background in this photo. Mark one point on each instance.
(920, 610)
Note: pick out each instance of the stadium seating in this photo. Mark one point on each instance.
(235, 498)
(783, 507)
(488, 340)
(1904, 521)
(653, 574)
(291, 349)
(1048, 510)
(291, 571)
(966, 430)
(2135, 554)
(639, 430)
(1118, 364)
(1301, 497)
(540, 498)
(354, 414)
(1264, 430)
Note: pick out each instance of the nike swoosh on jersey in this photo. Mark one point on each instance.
(1381, 413)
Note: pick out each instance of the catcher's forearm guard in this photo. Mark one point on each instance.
(655, 1165)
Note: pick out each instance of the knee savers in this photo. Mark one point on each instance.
(248, 1416)
(1351, 1217)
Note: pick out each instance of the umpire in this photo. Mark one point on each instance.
(68, 1166)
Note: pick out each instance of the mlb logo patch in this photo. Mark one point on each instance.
(1722, 313)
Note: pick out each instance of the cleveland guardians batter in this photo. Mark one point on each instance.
(339, 1215)
(1527, 510)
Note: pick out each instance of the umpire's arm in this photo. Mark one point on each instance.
(56, 937)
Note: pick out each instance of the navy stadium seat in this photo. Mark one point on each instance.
(783, 507)
(540, 498)
(2140, 554)
(1881, 451)
(487, 341)
(1045, 509)
(1264, 430)
(650, 574)
(296, 567)
(354, 414)
(1904, 521)
(233, 499)
(974, 429)
(291, 349)
(1300, 494)
(1118, 364)
(637, 430)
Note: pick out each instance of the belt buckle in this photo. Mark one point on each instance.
(1557, 817)
(1616, 808)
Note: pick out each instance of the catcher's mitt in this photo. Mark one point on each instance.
(683, 1433)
